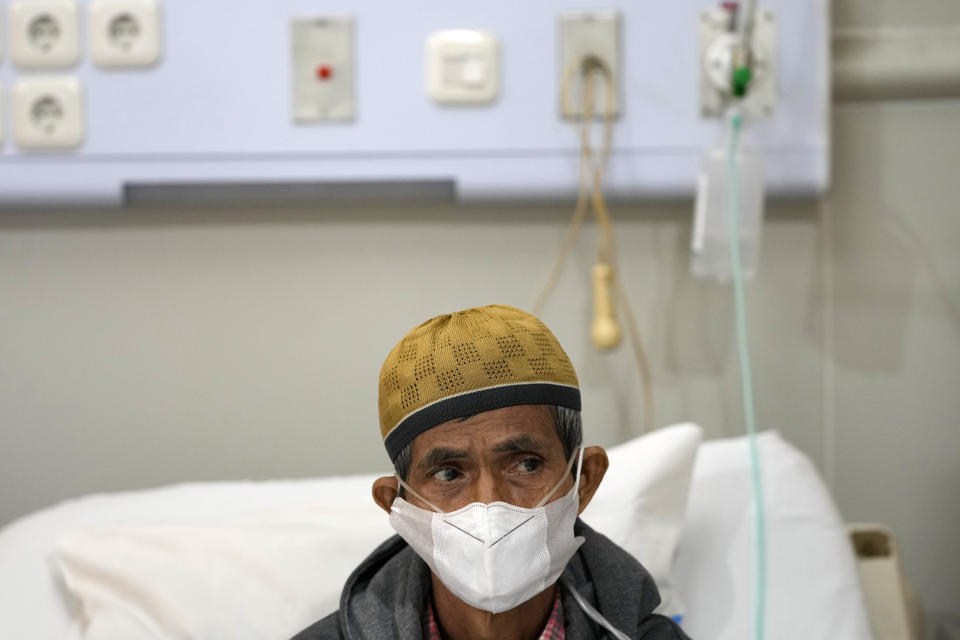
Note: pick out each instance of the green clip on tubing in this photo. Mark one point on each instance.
(741, 81)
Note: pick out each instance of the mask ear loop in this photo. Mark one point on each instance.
(576, 483)
(420, 497)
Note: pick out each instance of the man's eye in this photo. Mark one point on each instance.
(529, 465)
(446, 474)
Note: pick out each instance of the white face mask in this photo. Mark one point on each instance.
(494, 556)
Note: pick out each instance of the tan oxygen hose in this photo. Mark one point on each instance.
(605, 333)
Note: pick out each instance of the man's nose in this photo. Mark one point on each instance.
(485, 489)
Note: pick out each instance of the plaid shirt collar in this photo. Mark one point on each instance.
(553, 631)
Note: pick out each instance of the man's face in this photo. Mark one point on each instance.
(511, 455)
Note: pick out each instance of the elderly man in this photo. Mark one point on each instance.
(480, 414)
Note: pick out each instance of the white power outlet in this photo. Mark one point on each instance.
(585, 36)
(44, 33)
(48, 113)
(125, 33)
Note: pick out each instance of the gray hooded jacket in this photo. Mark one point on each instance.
(385, 598)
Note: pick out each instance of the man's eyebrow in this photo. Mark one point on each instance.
(439, 455)
(519, 444)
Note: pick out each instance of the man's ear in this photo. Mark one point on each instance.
(595, 463)
(385, 491)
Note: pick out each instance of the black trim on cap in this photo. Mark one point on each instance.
(468, 404)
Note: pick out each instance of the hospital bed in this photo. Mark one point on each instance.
(262, 559)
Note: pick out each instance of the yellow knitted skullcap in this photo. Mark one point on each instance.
(467, 362)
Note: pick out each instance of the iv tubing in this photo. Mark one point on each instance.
(736, 267)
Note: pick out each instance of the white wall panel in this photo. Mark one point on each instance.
(217, 107)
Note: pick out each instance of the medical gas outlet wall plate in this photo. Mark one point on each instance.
(463, 66)
(124, 33)
(585, 36)
(322, 69)
(301, 102)
(44, 34)
(48, 113)
(716, 46)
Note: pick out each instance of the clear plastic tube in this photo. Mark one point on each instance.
(746, 375)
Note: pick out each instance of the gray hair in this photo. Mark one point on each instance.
(568, 423)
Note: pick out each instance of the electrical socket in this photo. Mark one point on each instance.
(48, 113)
(584, 35)
(125, 33)
(44, 34)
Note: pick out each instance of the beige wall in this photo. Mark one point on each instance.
(145, 346)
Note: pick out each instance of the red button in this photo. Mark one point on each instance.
(324, 72)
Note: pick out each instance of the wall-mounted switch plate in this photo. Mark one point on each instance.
(585, 36)
(463, 66)
(322, 69)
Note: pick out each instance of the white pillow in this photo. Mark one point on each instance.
(264, 574)
(642, 502)
(275, 571)
(181, 581)
(812, 585)
(32, 603)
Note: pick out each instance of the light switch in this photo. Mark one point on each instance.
(322, 69)
(463, 66)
